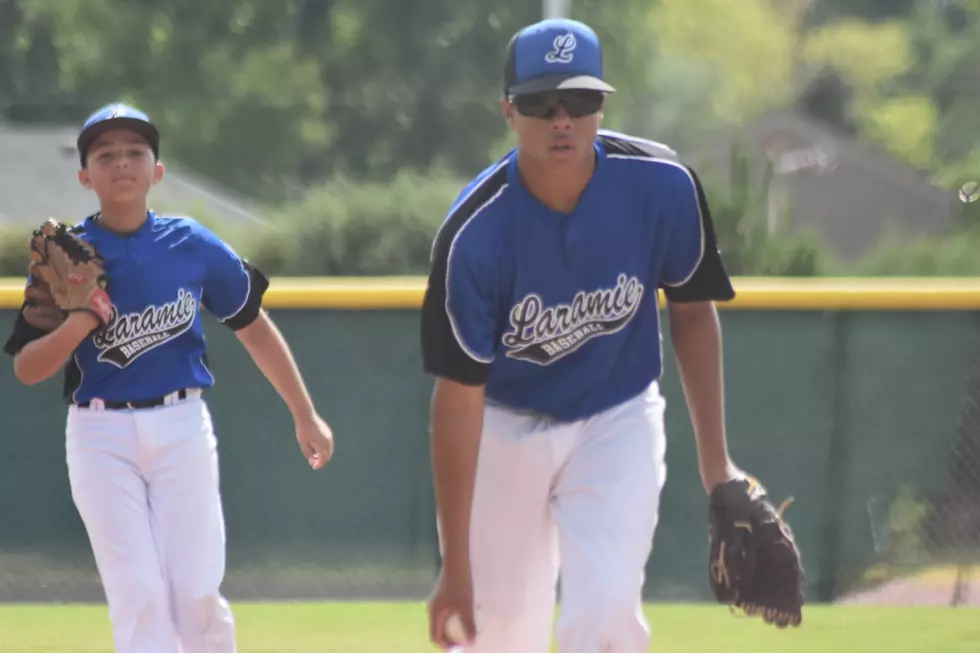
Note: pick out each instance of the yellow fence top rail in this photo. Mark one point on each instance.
(761, 293)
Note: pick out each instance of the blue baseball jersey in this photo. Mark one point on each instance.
(557, 313)
(160, 277)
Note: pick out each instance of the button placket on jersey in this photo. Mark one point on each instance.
(568, 238)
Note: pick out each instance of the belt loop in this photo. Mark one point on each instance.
(96, 404)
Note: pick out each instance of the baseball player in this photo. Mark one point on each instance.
(141, 451)
(540, 323)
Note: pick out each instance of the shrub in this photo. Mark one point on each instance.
(13, 240)
(739, 206)
(13, 249)
(347, 228)
(954, 255)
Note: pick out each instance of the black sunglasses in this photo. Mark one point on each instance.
(577, 103)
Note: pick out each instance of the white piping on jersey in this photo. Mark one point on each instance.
(205, 367)
(614, 135)
(81, 378)
(248, 291)
(449, 267)
(697, 203)
(461, 201)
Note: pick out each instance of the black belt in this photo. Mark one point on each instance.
(142, 403)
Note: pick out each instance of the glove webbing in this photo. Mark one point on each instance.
(73, 247)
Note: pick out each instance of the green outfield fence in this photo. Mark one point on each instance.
(855, 396)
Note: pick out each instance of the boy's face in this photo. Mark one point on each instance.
(556, 128)
(121, 167)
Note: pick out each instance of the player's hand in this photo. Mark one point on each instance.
(453, 593)
(315, 440)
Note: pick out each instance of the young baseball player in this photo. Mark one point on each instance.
(141, 452)
(540, 323)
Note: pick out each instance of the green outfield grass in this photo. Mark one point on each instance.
(400, 628)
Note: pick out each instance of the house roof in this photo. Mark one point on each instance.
(788, 129)
(850, 192)
(38, 179)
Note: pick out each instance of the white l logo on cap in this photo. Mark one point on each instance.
(563, 46)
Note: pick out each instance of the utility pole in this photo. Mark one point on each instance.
(555, 8)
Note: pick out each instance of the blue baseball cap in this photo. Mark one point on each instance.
(117, 116)
(552, 55)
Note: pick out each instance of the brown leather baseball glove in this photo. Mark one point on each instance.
(72, 269)
(40, 309)
(754, 563)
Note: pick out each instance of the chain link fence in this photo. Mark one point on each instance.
(927, 536)
(879, 450)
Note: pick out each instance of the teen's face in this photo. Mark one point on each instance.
(557, 127)
(121, 167)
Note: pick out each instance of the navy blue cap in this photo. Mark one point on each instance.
(554, 54)
(117, 116)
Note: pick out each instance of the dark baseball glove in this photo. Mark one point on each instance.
(754, 563)
(40, 310)
(72, 269)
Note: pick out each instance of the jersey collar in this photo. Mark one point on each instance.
(144, 229)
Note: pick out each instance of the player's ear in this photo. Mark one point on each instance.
(507, 111)
(83, 179)
(158, 171)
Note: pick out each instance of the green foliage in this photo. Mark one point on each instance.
(873, 59)
(749, 44)
(905, 126)
(750, 245)
(13, 238)
(270, 97)
(13, 250)
(349, 228)
(365, 228)
(906, 515)
(321, 107)
(954, 255)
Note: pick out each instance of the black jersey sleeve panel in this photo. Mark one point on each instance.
(21, 334)
(709, 281)
(457, 310)
(257, 286)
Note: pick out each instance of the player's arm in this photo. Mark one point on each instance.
(457, 326)
(693, 279)
(456, 428)
(233, 292)
(41, 359)
(696, 335)
(272, 355)
(39, 355)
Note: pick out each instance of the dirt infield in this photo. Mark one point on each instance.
(933, 587)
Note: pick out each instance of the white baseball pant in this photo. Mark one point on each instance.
(581, 498)
(145, 483)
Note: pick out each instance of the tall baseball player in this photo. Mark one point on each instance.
(540, 323)
(116, 301)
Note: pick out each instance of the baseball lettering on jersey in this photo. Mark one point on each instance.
(129, 336)
(542, 335)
